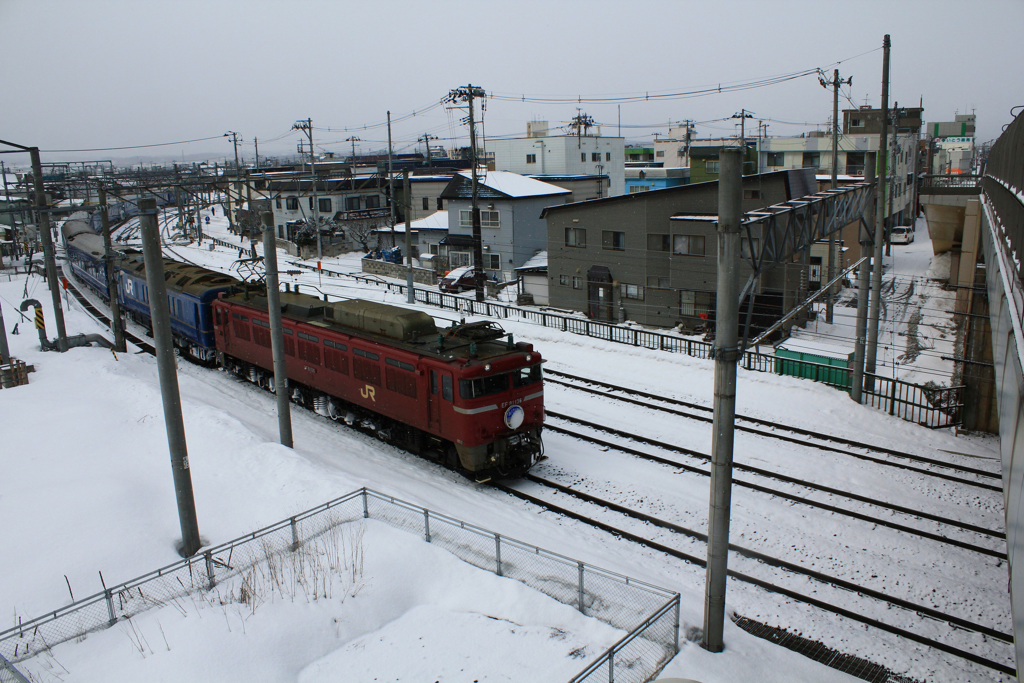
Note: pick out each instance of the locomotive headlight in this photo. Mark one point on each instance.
(528, 358)
(487, 367)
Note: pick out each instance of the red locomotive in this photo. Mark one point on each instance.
(467, 396)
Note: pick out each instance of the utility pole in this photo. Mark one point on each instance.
(834, 83)
(391, 179)
(863, 283)
(353, 140)
(743, 115)
(307, 126)
(165, 364)
(686, 141)
(880, 219)
(284, 414)
(468, 94)
(410, 294)
(427, 137)
(730, 200)
(256, 141)
(43, 223)
(895, 125)
(238, 189)
(116, 324)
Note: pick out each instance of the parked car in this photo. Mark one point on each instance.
(458, 280)
(901, 234)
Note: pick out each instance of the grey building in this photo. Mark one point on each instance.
(651, 257)
(511, 227)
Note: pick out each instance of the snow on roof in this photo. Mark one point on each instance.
(693, 217)
(538, 260)
(815, 346)
(435, 221)
(515, 185)
(839, 177)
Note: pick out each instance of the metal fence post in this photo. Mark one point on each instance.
(426, 525)
(295, 534)
(580, 588)
(208, 556)
(366, 508)
(675, 629)
(611, 666)
(497, 553)
(109, 596)
(892, 398)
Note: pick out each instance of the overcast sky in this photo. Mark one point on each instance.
(115, 73)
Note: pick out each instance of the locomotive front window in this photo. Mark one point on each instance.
(483, 386)
(526, 376)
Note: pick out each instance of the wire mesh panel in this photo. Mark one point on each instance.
(617, 600)
(554, 576)
(644, 652)
(9, 674)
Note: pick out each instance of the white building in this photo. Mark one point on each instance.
(815, 151)
(561, 155)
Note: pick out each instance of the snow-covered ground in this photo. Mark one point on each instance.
(87, 488)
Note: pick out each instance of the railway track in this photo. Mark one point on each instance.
(843, 598)
(874, 453)
(873, 511)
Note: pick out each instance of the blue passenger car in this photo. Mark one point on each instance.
(84, 251)
(190, 291)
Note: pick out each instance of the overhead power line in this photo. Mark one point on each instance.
(113, 149)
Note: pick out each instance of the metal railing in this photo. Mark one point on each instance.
(649, 614)
(954, 183)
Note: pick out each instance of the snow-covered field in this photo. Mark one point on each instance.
(87, 488)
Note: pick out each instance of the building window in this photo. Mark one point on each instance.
(595, 156)
(856, 123)
(426, 203)
(660, 153)
(633, 189)
(694, 304)
(531, 158)
(812, 159)
(613, 240)
(607, 156)
(563, 280)
(457, 259)
(711, 166)
(583, 156)
(855, 163)
(776, 159)
(373, 201)
(325, 205)
(440, 204)
(292, 203)
(488, 219)
(277, 202)
(688, 245)
(751, 194)
(575, 237)
(432, 248)
(631, 291)
(657, 282)
(351, 203)
(492, 261)
(577, 282)
(657, 242)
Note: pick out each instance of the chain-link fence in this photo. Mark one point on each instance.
(8, 674)
(650, 615)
